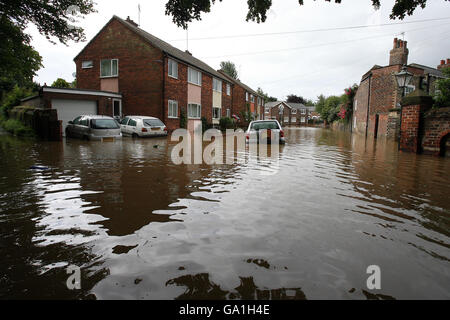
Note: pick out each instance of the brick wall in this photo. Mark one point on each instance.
(207, 97)
(175, 89)
(140, 69)
(436, 127)
(409, 138)
(361, 102)
(239, 103)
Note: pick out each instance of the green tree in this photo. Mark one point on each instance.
(61, 83)
(229, 68)
(299, 99)
(19, 61)
(329, 107)
(266, 97)
(442, 98)
(185, 11)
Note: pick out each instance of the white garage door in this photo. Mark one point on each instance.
(70, 109)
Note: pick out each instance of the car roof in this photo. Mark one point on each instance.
(141, 117)
(93, 116)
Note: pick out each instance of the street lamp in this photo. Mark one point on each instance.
(403, 79)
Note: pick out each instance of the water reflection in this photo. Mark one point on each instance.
(306, 226)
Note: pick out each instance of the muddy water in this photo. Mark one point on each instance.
(140, 227)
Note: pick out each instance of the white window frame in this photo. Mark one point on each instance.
(171, 105)
(112, 63)
(220, 113)
(199, 76)
(199, 111)
(303, 111)
(294, 119)
(228, 113)
(172, 64)
(120, 107)
(217, 85)
(294, 111)
(246, 96)
(252, 98)
(228, 89)
(90, 66)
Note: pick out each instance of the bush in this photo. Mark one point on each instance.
(13, 98)
(17, 128)
(205, 124)
(226, 123)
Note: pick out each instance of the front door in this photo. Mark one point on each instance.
(117, 109)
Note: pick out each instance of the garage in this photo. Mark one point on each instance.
(70, 109)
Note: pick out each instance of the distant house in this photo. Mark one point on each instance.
(153, 77)
(376, 103)
(291, 114)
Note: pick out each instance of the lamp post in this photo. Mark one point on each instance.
(403, 79)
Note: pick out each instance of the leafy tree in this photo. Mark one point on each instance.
(61, 83)
(229, 68)
(442, 98)
(266, 96)
(13, 97)
(329, 107)
(19, 61)
(185, 11)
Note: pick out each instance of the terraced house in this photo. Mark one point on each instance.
(291, 114)
(154, 78)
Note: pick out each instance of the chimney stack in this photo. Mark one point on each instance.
(444, 64)
(399, 54)
(132, 22)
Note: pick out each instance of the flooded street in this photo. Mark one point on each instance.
(141, 227)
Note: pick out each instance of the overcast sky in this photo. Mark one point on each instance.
(303, 63)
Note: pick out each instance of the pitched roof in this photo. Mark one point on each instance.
(167, 48)
(291, 105)
(428, 70)
(239, 83)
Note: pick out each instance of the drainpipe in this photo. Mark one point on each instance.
(368, 104)
(164, 88)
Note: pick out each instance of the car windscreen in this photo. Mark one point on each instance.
(104, 124)
(267, 125)
(153, 123)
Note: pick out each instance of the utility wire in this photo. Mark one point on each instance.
(313, 46)
(313, 30)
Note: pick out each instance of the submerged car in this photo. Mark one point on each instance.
(141, 126)
(92, 127)
(263, 131)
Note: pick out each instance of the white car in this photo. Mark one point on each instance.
(262, 132)
(141, 126)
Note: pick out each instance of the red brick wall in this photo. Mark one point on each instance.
(409, 137)
(140, 69)
(239, 103)
(436, 127)
(207, 97)
(175, 89)
(227, 100)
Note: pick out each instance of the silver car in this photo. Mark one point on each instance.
(264, 131)
(100, 128)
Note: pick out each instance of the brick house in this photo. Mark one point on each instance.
(153, 77)
(376, 103)
(293, 114)
(244, 96)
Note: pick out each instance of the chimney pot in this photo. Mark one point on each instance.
(395, 42)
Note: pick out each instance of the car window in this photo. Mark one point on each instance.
(266, 125)
(124, 121)
(77, 120)
(132, 123)
(84, 122)
(153, 123)
(104, 124)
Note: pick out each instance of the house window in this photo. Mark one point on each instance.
(173, 109)
(109, 68)
(173, 69)
(294, 111)
(228, 113)
(409, 89)
(228, 89)
(87, 64)
(303, 120)
(194, 77)
(252, 97)
(216, 113)
(246, 96)
(286, 119)
(217, 85)
(293, 120)
(194, 111)
(117, 108)
(303, 111)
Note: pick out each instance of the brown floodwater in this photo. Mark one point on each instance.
(141, 227)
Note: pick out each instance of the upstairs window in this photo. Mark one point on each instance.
(252, 97)
(194, 77)
(228, 89)
(294, 111)
(87, 64)
(109, 68)
(217, 85)
(246, 96)
(173, 69)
